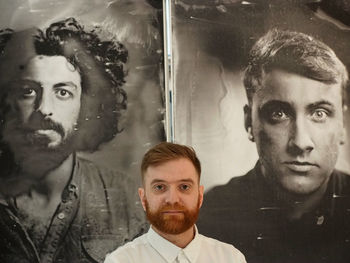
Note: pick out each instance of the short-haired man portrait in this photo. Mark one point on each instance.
(61, 92)
(293, 206)
(171, 196)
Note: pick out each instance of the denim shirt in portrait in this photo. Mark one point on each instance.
(98, 212)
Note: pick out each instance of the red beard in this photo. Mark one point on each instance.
(172, 224)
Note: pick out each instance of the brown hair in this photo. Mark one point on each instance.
(167, 151)
(294, 52)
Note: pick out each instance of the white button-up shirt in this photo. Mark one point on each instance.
(153, 248)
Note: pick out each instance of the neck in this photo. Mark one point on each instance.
(305, 204)
(56, 180)
(49, 185)
(297, 204)
(180, 240)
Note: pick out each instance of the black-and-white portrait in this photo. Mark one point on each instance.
(212, 41)
(81, 91)
(265, 107)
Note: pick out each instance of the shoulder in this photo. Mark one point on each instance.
(210, 243)
(236, 189)
(340, 182)
(236, 182)
(341, 176)
(220, 249)
(233, 183)
(228, 207)
(94, 171)
(100, 182)
(109, 207)
(129, 252)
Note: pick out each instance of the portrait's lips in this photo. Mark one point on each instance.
(47, 132)
(47, 137)
(300, 167)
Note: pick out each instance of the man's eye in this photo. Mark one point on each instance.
(184, 187)
(278, 116)
(64, 94)
(159, 187)
(320, 115)
(28, 93)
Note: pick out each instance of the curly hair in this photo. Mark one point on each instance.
(101, 66)
(294, 52)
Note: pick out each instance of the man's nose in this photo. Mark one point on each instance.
(172, 196)
(44, 104)
(300, 137)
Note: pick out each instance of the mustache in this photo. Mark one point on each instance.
(173, 207)
(44, 124)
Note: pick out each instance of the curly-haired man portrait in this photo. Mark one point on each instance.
(61, 92)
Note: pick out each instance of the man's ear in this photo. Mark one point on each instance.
(343, 136)
(248, 121)
(142, 196)
(201, 193)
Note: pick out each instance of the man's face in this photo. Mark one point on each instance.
(297, 124)
(43, 108)
(172, 196)
(45, 102)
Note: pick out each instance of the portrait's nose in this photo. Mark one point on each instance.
(44, 103)
(300, 137)
(172, 196)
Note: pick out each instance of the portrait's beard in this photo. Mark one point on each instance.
(27, 148)
(172, 224)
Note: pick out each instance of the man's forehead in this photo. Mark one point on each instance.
(172, 171)
(44, 61)
(51, 70)
(279, 85)
(166, 181)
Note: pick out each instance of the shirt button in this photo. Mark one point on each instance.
(320, 220)
(61, 215)
(72, 188)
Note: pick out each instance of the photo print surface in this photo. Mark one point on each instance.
(211, 42)
(82, 99)
(260, 91)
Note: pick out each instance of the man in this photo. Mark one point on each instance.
(293, 206)
(61, 92)
(171, 197)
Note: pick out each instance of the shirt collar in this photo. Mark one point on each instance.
(73, 186)
(3, 201)
(193, 248)
(169, 251)
(164, 247)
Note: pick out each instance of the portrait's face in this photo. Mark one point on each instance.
(297, 124)
(45, 102)
(172, 196)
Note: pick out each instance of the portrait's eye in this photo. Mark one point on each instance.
(28, 92)
(319, 115)
(63, 94)
(275, 112)
(278, 116)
